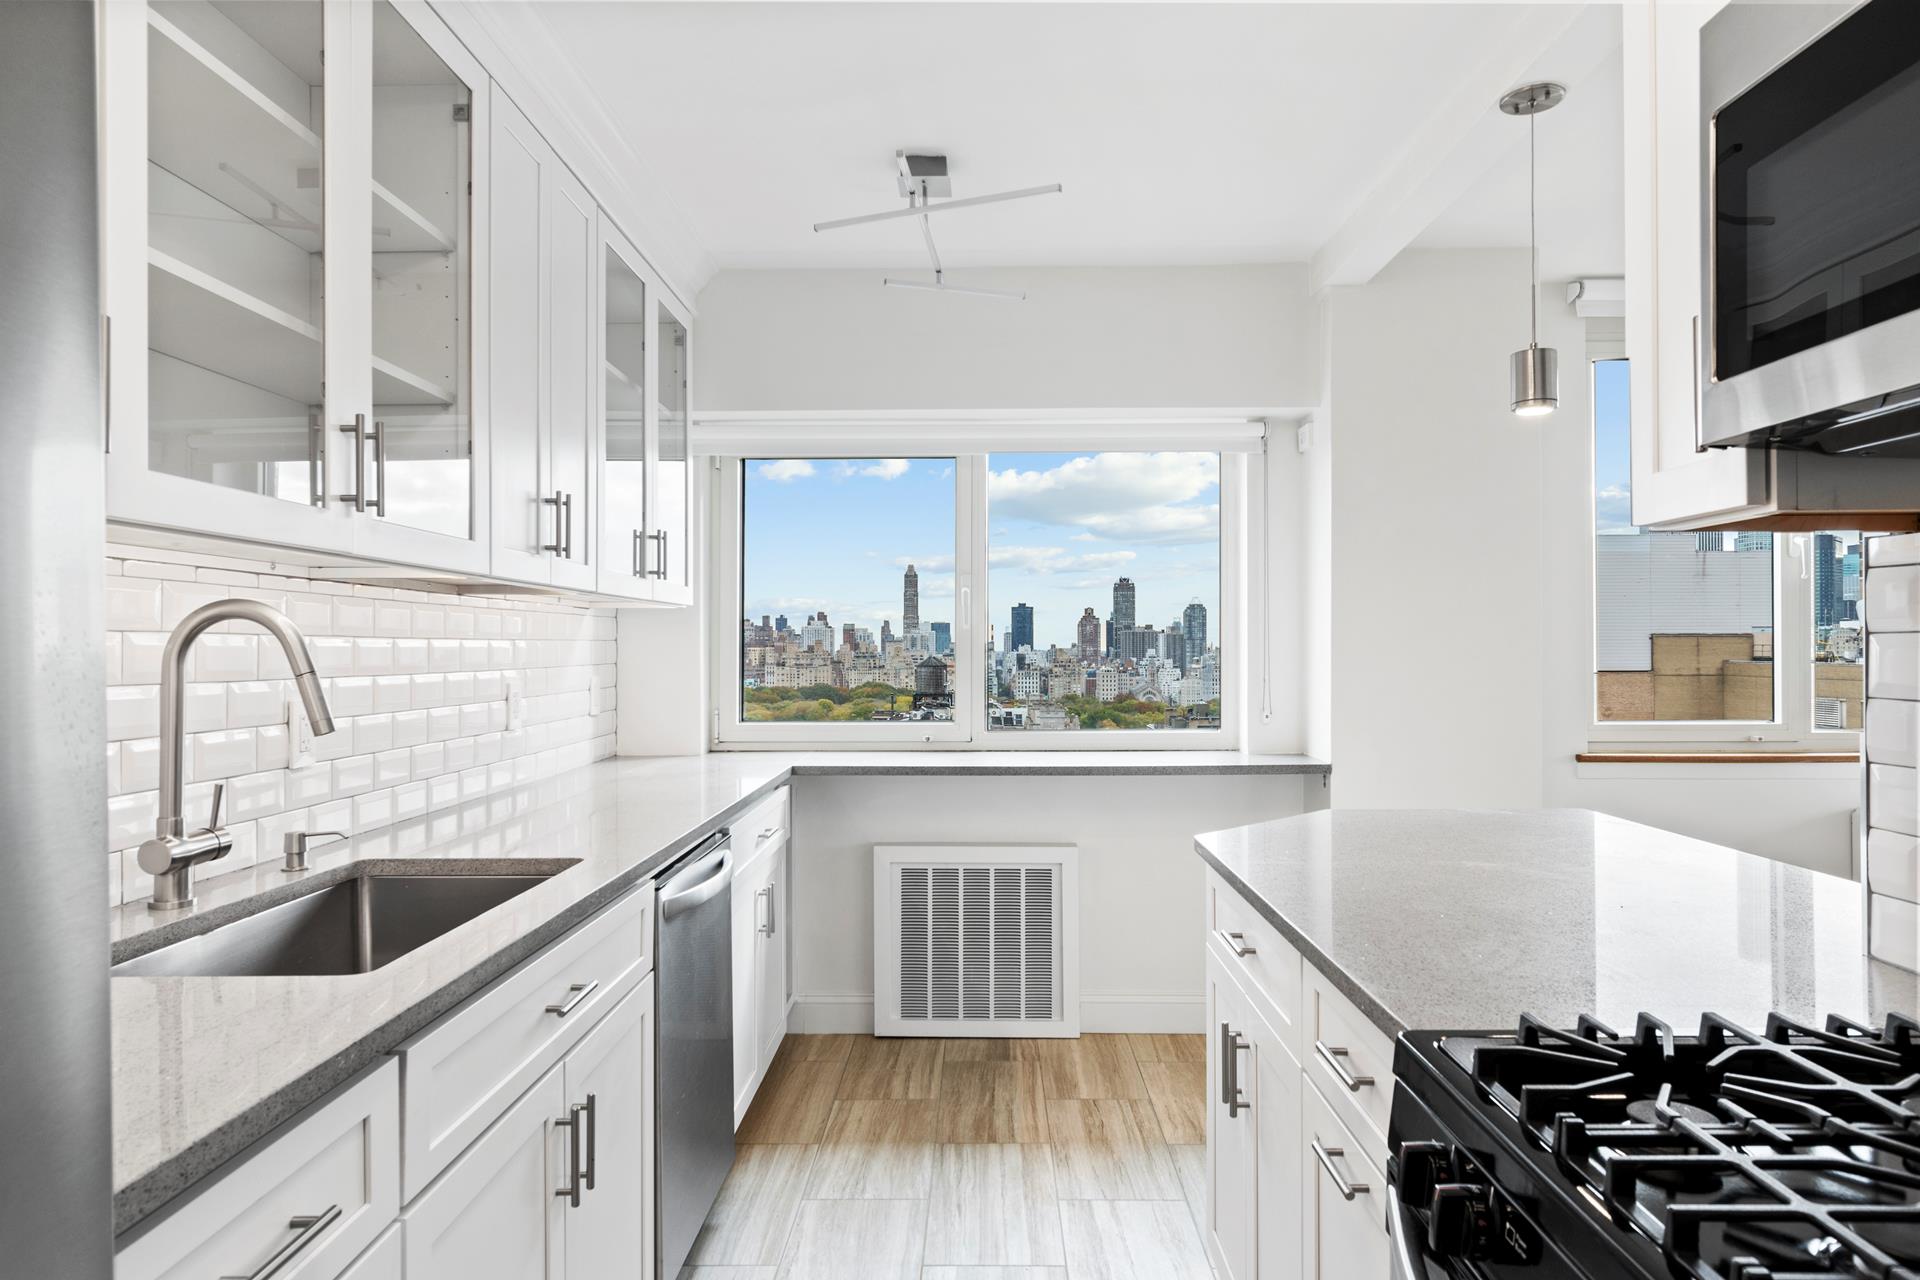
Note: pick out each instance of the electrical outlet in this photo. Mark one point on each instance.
(516, 704)
(299, 737)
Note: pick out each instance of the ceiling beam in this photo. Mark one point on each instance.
(1459, 140)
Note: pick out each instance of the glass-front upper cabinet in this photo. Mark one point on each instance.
(673, 479)
(275, 373)
(624, 565)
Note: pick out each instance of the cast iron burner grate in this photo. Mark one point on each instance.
(1788, 1155)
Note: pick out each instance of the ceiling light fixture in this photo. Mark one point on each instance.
(1535, 369)
(922, 177)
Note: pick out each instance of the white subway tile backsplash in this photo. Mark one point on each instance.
(1893, 864)
(1893, 931)
(416, 681)
(1893, 598)
(1893, 548)
(1893, 665)
(1893, 732)
(1893, 800)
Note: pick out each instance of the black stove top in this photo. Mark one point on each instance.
(1791, 1153)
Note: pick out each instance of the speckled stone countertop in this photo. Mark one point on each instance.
(1464, 920)
(203, 1067)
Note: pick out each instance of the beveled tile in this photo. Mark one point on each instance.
(793, 1103)
(816, 1048)
(856, 1240)
(1110, 1149)
(748, 1224)
(1132, 1240)
(891, 1068)
(993, 1273)
(994, 1203)
(1178, 1091)
(990, 1102)
(1090, 1067)
(1159, 1048)
(874, 1150)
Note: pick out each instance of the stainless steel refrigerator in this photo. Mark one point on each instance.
(56, 1180)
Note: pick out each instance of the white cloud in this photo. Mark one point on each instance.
(1134, 497)
(879, 469)
(1056, 560)
(786, 469)
(1613, 509)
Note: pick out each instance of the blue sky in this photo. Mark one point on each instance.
(837, 535)
(1612, 439)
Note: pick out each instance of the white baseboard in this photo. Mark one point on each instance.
(1100, 1012)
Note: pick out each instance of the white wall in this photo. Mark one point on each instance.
(417, 683)
(1141, 940)
(1086, 337)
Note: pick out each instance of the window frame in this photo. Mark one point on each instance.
(972, 611)
(1791, 727)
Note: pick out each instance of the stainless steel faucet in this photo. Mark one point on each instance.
(172, 853)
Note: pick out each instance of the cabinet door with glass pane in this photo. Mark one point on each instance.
(220, 138)
(672, 512)
(625, 296)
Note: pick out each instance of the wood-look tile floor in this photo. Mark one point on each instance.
(867, 1159)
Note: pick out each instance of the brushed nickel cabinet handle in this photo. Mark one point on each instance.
(359, 433)
(639, 555)
(1232, 1044)
(557, 545)
(310, 1228)
(1325, 1155)
(660, 569)
(1332, 1055)
(593, 1138)
(1234, 942)
(567, 506)
(573, 1125)
(575, 994)
(380, 467)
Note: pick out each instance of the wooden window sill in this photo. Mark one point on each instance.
(1717, 757)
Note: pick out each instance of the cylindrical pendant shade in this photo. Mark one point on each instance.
(1536, 380)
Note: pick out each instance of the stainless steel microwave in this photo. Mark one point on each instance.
(1810, 149)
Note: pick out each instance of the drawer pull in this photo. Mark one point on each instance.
(575, 994)
(1325, 1155)
(1332, 1055)
(1234, 942)
(1232, 1043)
(573, 1124)
(593, 1137)
(310, 1229)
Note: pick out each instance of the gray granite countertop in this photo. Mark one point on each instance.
(1464, 920)
(205, 1067)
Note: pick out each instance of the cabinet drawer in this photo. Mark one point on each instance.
(384, 1261)
(1346, 1198)
(461, 1073)
(1343, 1049)
(761, 829)
(316, 1195)
(1264, 962)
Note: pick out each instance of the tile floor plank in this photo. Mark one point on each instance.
(892, 1068)
(1192, 1164)
(1090, 1067)
(1132, 1240)
(748, 1224)
(981, 1049)
(793, 1103)
(856, 1240)
(727, 1273)
(990, 1102)
(875, 1149)
(993, 1273)
(1111, 1149)
(817, 1048)
(994, 1204)
(1166, 1048)
(1178, 1091)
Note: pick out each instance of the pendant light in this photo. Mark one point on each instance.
(1535, 369)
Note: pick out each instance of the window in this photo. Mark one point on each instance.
(1103, 577)
(1714, 635)
(847, 575)
(996, 598)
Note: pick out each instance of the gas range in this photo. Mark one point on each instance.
(1788, 1153)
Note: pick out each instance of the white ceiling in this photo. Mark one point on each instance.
(1183, 133)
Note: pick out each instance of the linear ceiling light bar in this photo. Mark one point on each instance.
(915, 211)
(941, 286)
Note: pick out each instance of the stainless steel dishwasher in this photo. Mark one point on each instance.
(693, 1062)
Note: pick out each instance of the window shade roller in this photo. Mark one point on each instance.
(934, 436)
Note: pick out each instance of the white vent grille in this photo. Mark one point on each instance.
(972, 941)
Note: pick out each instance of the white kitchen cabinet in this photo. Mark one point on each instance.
(315, 1197)
(626, 435)
(1345, 1233)
(1254, 1194)
(289, 276)
(610, 1073)
(542, 355)
(748, 882)
(672, 524)
(385, 1259)
(760, 896)
(495, 1213)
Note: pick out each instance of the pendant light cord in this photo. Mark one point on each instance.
(1533, 243)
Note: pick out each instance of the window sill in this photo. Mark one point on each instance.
(1717, 757)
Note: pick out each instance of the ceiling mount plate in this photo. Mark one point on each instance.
(923, 175)
(1532, 99)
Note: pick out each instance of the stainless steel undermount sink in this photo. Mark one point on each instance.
(354, 926)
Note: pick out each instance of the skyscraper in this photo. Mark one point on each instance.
(1122, 609)
(1088, 636)
(910, 607)
(1022, 631)
(1827, 608)
(942, 637)
(1193, 622)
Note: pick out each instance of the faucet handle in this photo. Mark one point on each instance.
(213, 814)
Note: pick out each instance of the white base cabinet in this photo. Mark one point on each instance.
(760, 896)
(610, 1234)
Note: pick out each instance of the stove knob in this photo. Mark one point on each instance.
(1423, 1166)
(1460, 1220)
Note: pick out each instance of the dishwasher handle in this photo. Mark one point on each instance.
(698, 881)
